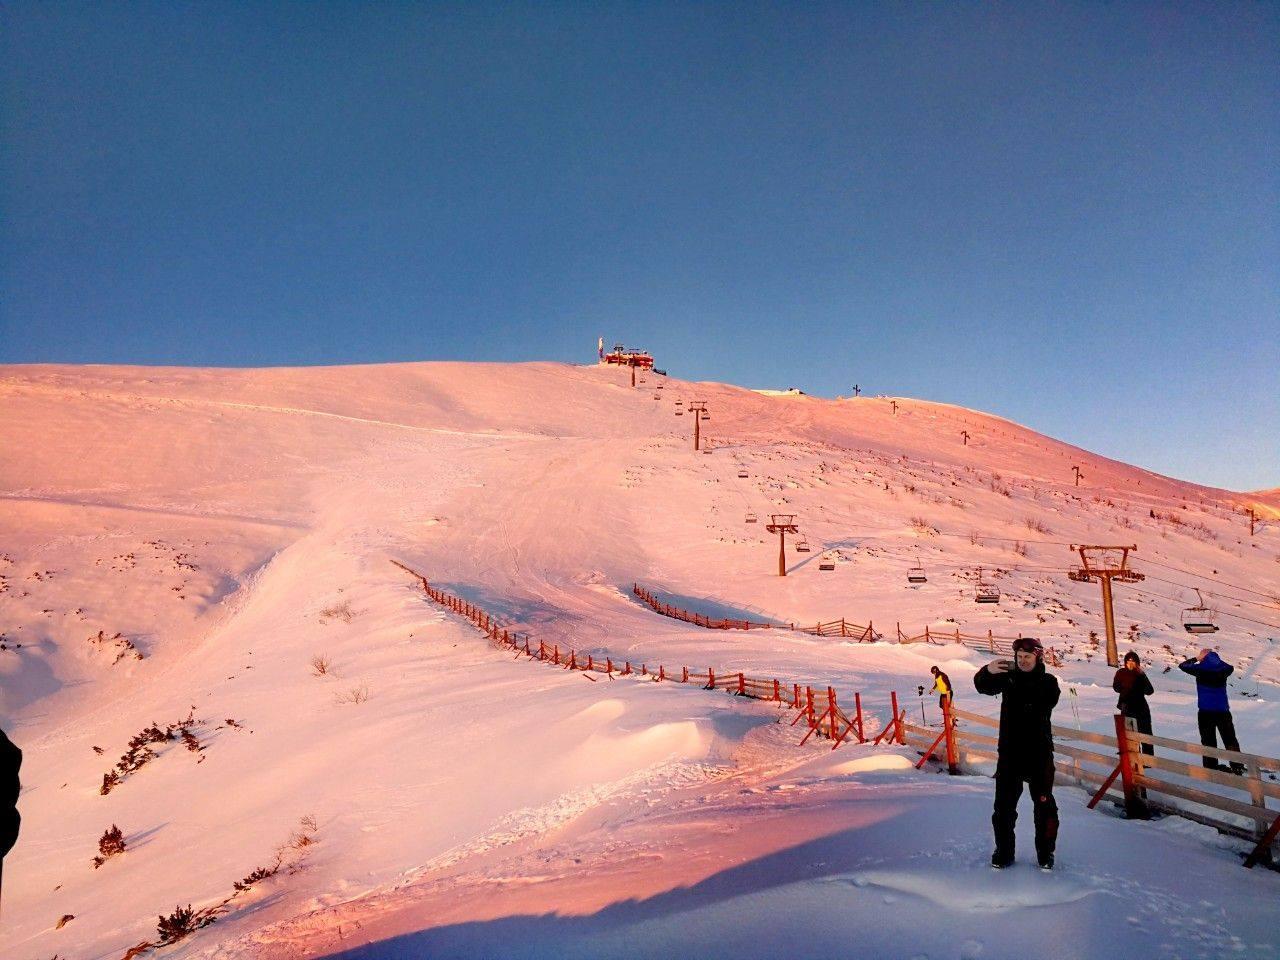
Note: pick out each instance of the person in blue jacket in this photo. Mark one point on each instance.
(1214, 714)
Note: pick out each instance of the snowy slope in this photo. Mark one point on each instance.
(233, 526)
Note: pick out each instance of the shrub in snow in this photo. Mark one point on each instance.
(355, 695)
(339, 611)
(262, 873)
(183, 922)
(140, 753)
(110, 844)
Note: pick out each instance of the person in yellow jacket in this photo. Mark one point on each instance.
(942, 687)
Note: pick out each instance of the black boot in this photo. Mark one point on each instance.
(1001, 858)
(1046, 861)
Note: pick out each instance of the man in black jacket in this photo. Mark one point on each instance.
(10, 761)
(1028, 696)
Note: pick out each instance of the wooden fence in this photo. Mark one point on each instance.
(1116, 768)
(832, 628)
(988, 641)
(840, 628)
(819, 709)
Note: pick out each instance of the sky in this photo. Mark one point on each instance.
(1065, 214)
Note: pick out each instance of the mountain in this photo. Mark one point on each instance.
(210, 550)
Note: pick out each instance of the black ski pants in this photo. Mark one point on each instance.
(1142, 716)
(1038, 776)
(1219, 722)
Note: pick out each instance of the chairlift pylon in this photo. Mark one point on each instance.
(1199, 619)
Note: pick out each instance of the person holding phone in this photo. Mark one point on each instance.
(1134, 686)
(1025, 748)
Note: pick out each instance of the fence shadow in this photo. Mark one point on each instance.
(707, 606)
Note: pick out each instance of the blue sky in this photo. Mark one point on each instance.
(1066, 214)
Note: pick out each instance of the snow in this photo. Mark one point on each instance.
(233, 525)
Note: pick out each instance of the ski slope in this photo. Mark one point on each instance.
(234, 525)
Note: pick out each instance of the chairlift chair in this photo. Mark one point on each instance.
(826, 566)
(916, 575)
(751, 517)
(985, 592)
(742, 474)
(679, 413)
(802, 545)
(1199, 619)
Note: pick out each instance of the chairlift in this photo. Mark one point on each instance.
(916, 575)
(985, 592)
(751, 517)
(742, 474)
(826, 565)
(1199, 619)
(679, 413)
(802, 545)
(705, 415)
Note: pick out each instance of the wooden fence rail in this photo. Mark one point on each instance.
(1116, 767)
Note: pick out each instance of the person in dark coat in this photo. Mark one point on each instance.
(1134, 686)
(10, 762)
(1025, 750)
(1214, 713)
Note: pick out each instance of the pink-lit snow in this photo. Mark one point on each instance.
(233, 525)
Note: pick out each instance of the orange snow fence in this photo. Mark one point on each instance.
(819, 709)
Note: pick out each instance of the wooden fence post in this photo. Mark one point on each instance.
(897, 723)
(949, 725)
(742, 684)
(1129, 765)
(857, 708)
(833, 723)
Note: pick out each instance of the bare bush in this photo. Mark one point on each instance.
(321, 666)
(921, 525)
(1019, 548)
(355, 695)
(1035, 525)
(339, 611)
